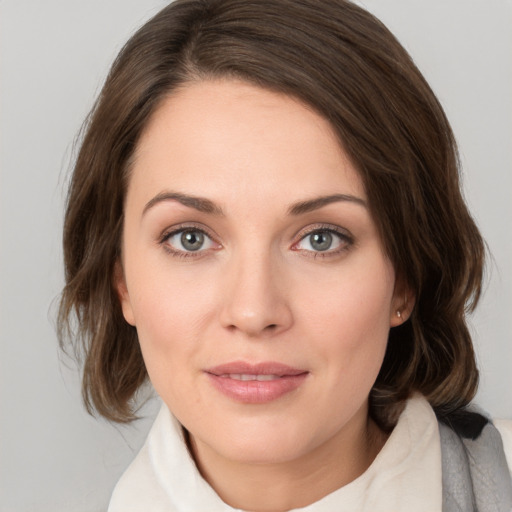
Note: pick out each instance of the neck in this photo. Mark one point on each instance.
(282, 486)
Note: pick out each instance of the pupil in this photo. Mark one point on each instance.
(192, 240)
(321, 241)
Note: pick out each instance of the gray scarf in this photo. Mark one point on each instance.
(476, 477)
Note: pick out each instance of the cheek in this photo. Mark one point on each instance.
(350, 316)
(171, 308)
(163, 317)
(167, 335)
(358, 297)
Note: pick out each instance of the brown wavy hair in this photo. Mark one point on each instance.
(344, 63)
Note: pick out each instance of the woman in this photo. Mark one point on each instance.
(265, 219)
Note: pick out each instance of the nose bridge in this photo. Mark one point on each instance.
(255, 299)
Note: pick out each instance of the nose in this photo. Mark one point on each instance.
(256, 299)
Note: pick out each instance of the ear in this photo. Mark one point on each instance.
(402, 303)
(122, 293)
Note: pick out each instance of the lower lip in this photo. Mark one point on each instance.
(255, 391)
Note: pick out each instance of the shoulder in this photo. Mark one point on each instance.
(504, 427)
(479, 434)
(139, 484)
(475, 461)
(475, 429)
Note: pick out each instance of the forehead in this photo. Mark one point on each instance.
(227, 138)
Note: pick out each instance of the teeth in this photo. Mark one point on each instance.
(244, 376)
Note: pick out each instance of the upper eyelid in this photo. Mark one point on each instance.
(323, 227)
(186, 226)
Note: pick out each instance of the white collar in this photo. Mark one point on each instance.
(405, 476)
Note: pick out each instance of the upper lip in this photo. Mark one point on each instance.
(263, 368)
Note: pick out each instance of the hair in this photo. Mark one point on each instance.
(345, 64)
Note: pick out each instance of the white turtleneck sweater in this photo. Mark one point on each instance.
(405, 475)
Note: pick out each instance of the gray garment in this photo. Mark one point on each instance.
(476, 477)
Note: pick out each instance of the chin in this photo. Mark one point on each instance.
(260, 442)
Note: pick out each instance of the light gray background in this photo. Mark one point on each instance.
(54, 57)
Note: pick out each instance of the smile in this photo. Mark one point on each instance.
(255, 383)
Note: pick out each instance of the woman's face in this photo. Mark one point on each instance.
(254, 274)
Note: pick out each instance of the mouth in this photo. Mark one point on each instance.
(255, 383)
(248, 377)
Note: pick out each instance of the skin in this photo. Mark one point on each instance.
(258, 289)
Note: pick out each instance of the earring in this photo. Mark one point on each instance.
(398, 313)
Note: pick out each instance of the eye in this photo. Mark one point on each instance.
(188, 240)
(323, 241)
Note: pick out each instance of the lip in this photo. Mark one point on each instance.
(237, 380)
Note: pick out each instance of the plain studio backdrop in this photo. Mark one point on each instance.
(54, 58)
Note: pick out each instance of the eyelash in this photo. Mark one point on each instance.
(187, 228)
(346, 241)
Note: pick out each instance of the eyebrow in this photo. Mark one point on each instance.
(200, 204)
(314, 204)
(204, 205)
